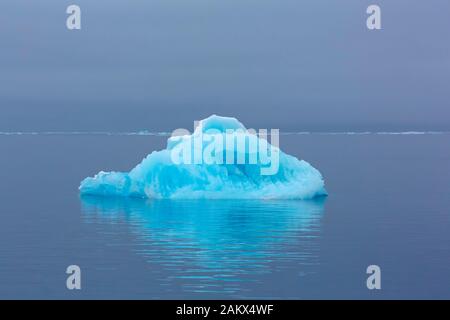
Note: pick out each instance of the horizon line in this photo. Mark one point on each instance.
(166, 133)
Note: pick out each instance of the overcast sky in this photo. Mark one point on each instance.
(161, 64)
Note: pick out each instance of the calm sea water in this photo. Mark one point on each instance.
(388, 204)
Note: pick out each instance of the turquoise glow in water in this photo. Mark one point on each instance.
(215, 246)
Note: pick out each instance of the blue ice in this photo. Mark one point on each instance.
(206, 165)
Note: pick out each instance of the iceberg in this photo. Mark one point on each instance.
(221, 159)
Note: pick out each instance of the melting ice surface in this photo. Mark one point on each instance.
(158, 176)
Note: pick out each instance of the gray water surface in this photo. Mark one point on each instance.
(388, 205)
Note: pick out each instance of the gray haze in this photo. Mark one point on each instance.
(160, 64)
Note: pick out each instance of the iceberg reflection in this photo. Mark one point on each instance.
(211, 246)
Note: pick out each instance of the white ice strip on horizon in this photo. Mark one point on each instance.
(166, 134)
